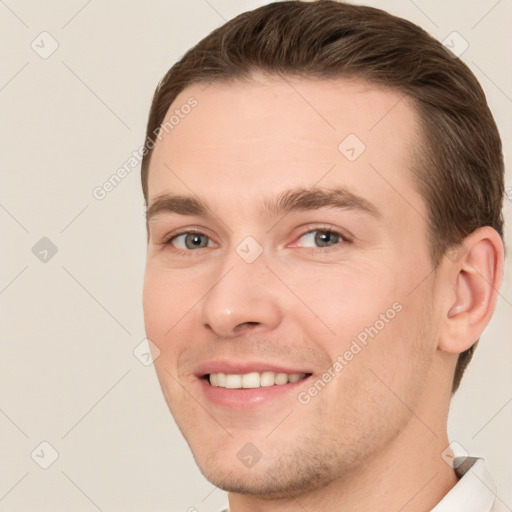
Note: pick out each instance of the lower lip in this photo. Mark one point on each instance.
(248, 398)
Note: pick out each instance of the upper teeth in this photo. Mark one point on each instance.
(253, 379)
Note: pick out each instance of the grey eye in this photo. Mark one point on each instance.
(321, 238)
(190, 241)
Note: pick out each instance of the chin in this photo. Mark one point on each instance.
(284, 476)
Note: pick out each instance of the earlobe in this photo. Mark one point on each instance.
(474, 276)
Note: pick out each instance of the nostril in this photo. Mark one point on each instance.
(246, 325)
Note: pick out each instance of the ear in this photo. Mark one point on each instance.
(473, 273)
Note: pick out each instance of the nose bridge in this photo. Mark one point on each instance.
(243, 292)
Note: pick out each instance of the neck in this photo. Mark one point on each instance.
(408, 475)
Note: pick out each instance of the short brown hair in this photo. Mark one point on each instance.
(460, 173)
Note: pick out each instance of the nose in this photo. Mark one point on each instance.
(242, 297)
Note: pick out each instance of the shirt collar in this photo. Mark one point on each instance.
(474, 492)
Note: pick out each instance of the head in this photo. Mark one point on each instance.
(344, 177)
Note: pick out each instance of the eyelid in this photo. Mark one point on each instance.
(185, 231)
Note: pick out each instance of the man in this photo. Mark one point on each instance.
(324, 187)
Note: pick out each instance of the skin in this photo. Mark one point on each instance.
(372, 438)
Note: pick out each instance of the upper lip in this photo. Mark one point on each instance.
(242, 367)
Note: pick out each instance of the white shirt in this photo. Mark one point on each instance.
(474, 492)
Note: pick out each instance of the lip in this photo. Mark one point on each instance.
(249, 398)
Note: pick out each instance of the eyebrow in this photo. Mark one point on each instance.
(298, 199)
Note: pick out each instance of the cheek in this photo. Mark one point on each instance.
(347, 303)
(393, 367)
(380, 334)
(167, 301)
(155, 305)
(167, 312)
(365, 401)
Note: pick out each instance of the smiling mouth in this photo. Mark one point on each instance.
(254, 379)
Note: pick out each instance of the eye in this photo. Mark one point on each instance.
(322, 238)
(189, 240)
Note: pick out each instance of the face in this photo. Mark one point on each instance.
(287, 285)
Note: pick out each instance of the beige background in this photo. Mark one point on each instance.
(68, 375)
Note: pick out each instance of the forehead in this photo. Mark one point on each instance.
(252, 136)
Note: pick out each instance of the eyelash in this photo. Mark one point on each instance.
(321, 229)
